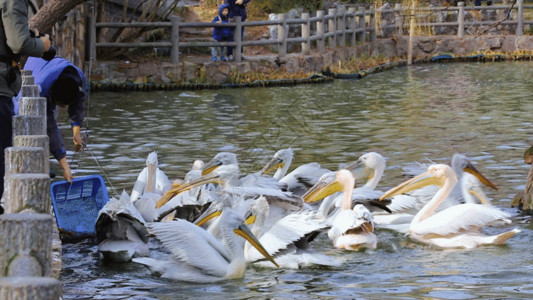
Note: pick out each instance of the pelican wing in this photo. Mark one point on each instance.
(275, 197)
(193, 246)
(287, 231)
(462, 217)
(140, 184)
(303, 177)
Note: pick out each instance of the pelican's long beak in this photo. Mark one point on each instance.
(201, 220)
(412, 184)
(273, 164)
(245, 232)
(322, 189)
(474, 171)
(211, 166)
(209, 178)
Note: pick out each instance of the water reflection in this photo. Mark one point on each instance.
(420, 113)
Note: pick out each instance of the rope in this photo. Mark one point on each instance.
(85, 147)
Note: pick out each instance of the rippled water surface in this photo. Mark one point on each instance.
(416, 114)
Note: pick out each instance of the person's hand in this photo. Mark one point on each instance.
(67, 173)
(76, 137)
(46, 42)
(239, 2)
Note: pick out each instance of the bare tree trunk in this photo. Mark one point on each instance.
(51, 12)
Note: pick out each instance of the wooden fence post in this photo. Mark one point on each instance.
(372, 22)
(362, 24)
(92, 34)
(411, 34)
(342, 26)
(332, 28)
(399, 18)
(352, 25)
(237, 37)
(461, 20)
(175, 39)
(306, 30)
(282, 36)
(520, 18)
(321, 42)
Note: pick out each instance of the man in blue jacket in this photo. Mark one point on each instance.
(15, 40)
(63, 84)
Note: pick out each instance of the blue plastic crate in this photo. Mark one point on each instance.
(76, 205)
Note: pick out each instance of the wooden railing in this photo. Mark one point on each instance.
(334, 29)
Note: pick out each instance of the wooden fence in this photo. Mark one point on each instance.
(334, 29)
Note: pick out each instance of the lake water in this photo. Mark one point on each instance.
(410, 114)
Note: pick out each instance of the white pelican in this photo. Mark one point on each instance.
(120, 230)
(196, 256)
(351, 229)
(458, 226)
(149, 186)
(150, 179)
(300, 179)
(281, 161)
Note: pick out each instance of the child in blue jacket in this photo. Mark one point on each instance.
(222, 34)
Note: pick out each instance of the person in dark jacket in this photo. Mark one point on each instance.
(238, 9)
(222, 34)
(63, 84)
(15, 40)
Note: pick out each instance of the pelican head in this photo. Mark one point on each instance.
(198, 165)
(328, 184)
(222, 158)
(152, 159)
(370, 165)
(437, 174)
(281, 160)
(461, 163)
(231, 219)
(257, 211)
(221, 175)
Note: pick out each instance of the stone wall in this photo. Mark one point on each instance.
(218, 72)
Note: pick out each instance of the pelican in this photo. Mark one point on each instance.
(300, 179)
(371, 166)
(351, 229)
(196, 256)
(458, 226)
(149, 186)
(150, 179)
(120, 230)
(281, 161)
